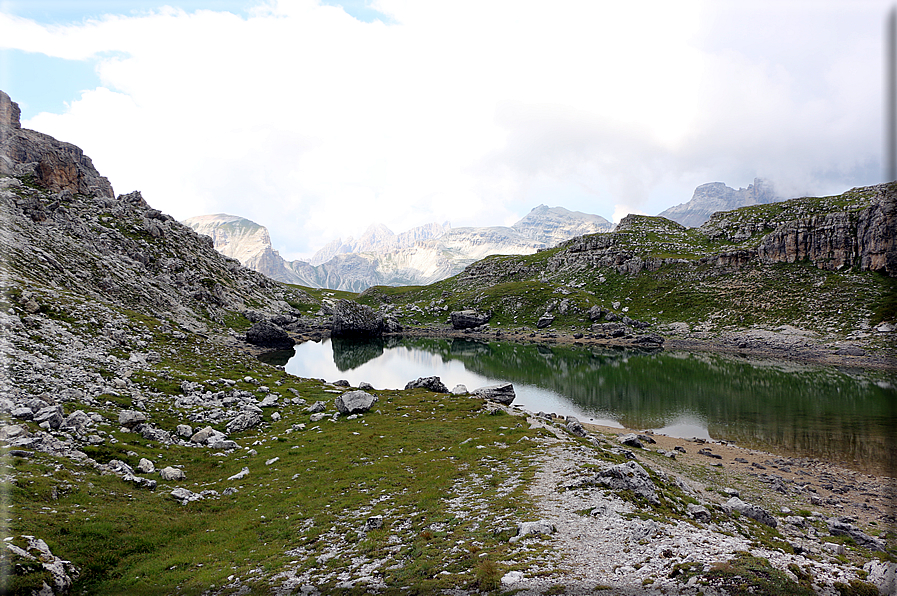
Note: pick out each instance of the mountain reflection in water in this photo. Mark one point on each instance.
(804, 410)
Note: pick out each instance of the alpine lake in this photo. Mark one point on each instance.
(844, 416)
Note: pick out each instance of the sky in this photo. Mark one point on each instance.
(316, 118)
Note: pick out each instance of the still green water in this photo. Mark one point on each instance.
(841, 415)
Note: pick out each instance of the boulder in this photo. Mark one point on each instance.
(502, 393)
(699, 513)
(574, 427)
(631, 440)
(459, 389)
(269, 335)
(77, 422)
(544, 321)
(433, 384)
(52, 415)
(244, 420)
(596, 312)
(184, 430)
(171, 474)
(468, 319)
(185, 496)
(140, 481)
(629, 476)
(355, 402)
(131, 418)
(541, 527)
(752, 511)
(351, 319)
(146, 466)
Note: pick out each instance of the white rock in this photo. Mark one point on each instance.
(511, 577)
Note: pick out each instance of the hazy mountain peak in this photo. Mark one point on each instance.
(716, 196)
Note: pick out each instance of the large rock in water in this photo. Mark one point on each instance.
(503, 393)
(269, 335)
(468, 319)
(351, 319)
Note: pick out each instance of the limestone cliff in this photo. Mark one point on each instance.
(53, 164)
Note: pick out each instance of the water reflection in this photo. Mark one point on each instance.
(806, 410)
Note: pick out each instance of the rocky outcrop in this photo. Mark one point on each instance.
(877, 233)
(55, 165)
(351, 319)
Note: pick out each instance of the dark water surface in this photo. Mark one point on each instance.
(840, 415)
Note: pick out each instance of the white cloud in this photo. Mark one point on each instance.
(316, 124)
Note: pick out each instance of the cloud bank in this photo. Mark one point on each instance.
(315, 124)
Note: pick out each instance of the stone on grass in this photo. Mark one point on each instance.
(185, 496)
(459, 390)
(170, 474)
(240, 475)
(244, 421)
(355, 402)
(433, 384)
(131, 418)
(541, 527)
(146, 466)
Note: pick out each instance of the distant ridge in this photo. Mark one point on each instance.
(716, 196)
(422, 255)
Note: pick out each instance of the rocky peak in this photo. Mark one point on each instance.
(9, 115)
(716, 196)
(55, 165)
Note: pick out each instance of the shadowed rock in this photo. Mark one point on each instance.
(269, 335)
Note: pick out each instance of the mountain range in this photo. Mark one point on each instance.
(419, 256)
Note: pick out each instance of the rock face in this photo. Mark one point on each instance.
(716, 196)
(351, 319)
(269, 335)
(468, 319)
(55, 165)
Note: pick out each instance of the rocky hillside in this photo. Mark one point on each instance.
(379, 257)
(821, 269)
(716, 196)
